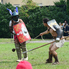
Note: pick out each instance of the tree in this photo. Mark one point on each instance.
(29, 4)
(4, 20)
(67, 7)
(61, 3)
(32, 16)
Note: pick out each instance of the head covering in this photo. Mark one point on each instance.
(14, 15)
(24, 65)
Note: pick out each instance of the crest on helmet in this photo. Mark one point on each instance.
(14, 15)
(11, 13)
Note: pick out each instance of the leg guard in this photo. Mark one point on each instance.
(23, 46)
(56, 58)
(17, 46)
(49, 60)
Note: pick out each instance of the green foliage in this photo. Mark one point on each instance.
(33, 15)
(29, 4)
(25, 8)
(62, 3)
(35, 23)
(67, 7)
(4, 20)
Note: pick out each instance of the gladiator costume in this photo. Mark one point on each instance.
(18, 47)
(59, 43)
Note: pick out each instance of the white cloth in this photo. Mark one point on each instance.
(10, 23)
(60, 43)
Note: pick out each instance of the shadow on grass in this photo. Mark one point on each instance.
(39, 64)
(7, 61)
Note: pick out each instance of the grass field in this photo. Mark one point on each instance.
(36, 58)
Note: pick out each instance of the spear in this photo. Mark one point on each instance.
(28, 42)
(38, 47)
(43, 45)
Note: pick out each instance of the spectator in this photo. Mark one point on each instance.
(68, 30)
(65, 22)
(60, 25)
(65, 33)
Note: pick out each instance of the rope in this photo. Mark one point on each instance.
(33, 38)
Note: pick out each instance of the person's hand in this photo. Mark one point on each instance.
(41, 34)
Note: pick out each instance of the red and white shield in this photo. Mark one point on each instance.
(21, 32)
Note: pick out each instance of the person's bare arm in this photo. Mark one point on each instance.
(11, 29)
(20, 20)
(45, 32)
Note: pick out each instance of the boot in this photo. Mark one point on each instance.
(49, 60)
(23, 46)
(56, 60)
(17, 46)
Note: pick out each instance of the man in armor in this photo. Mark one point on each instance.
(54, 29)
(15, 20)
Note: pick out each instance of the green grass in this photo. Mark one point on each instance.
(6, 40)
(36, 57)
(11, 40)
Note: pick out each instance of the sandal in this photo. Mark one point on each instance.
(48, 61)
(55, 63)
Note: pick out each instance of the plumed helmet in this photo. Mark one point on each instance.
(14, 15)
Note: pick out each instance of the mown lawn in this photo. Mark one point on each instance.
(36, 57)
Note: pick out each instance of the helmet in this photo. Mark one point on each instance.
(15, 13)
(15, 16)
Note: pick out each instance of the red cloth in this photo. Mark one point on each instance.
(24, 65)
(15, 37)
